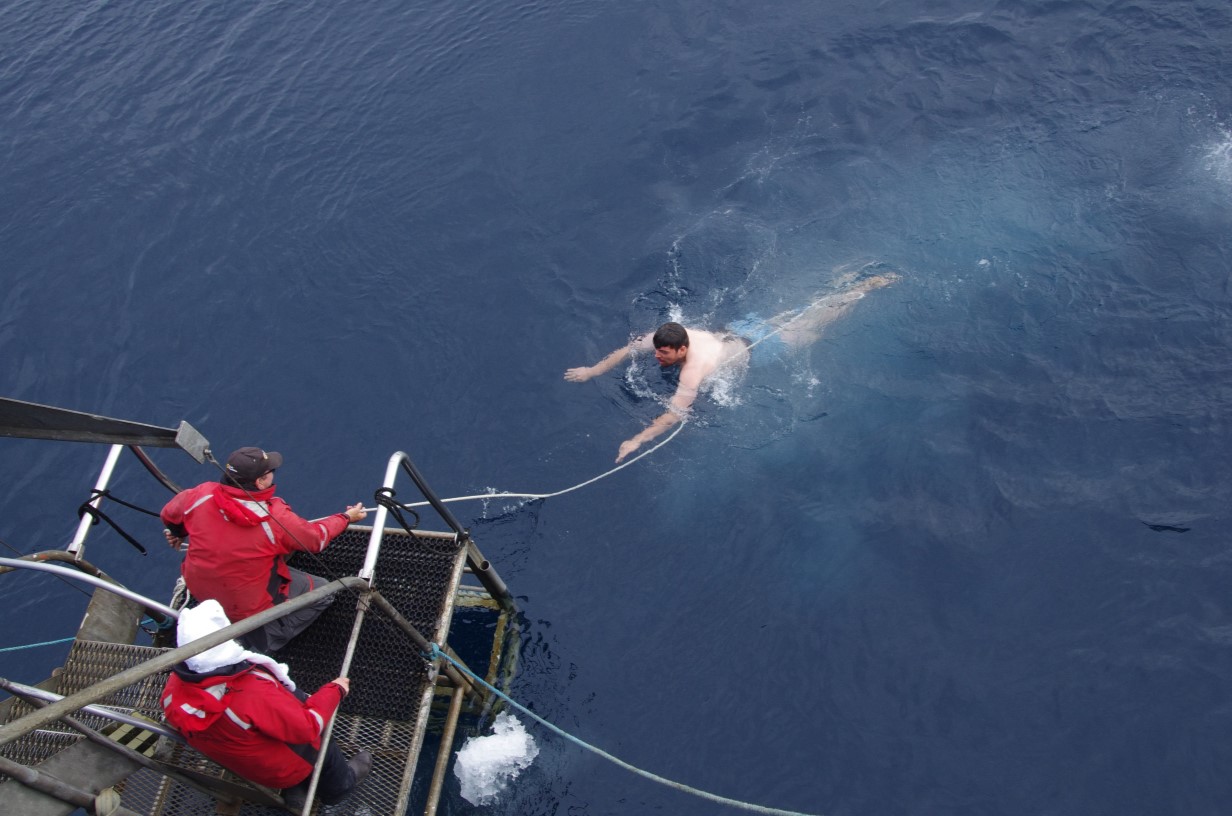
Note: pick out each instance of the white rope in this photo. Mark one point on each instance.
(533, 496)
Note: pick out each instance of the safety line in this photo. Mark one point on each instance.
(482, 496)
(34, 645)
(680, 786)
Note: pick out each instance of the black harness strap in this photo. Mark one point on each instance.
(98, 515)
(107, 494)
(385, 498)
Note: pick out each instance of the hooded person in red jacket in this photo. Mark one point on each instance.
(241, 535)
(241, 710)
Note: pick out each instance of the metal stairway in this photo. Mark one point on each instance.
(385, 713)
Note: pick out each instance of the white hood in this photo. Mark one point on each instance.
(206, 618)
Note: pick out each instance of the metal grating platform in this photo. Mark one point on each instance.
(418, 575)
(385, 713)
(87, 663)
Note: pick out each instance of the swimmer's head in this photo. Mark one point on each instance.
(672, 335)
(671, 344)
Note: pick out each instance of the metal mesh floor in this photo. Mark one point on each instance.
(87, 663)
(418, 575)
(385, 713)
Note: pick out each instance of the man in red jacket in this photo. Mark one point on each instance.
(241, 710)
(241, 535)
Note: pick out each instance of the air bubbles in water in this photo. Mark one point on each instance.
(1219, 159)
(487, 764)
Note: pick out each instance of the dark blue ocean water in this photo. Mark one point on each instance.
(967, 555)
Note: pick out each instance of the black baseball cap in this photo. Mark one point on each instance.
(250, 464)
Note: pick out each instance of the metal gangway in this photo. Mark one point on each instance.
(92, 736)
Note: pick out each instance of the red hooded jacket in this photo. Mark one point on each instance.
(245, 721)
(238, 545)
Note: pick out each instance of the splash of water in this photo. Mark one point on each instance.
(486, 765)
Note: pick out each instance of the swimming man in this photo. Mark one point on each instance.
(700, 353)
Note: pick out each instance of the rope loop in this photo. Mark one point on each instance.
(98, 515)
(385, 498)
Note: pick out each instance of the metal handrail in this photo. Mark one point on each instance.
(108, 584)
(480, 567)
(106, 712)
(430, 495)
(77, 546)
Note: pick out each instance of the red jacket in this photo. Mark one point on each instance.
(245, 721)
(238, 547)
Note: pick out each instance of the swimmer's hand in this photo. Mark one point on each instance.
(627, 447)
(580, 374)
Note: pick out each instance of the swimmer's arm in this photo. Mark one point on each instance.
(584, 373)
(677, 410)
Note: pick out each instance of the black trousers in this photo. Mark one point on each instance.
(337, 778)
(271, 637)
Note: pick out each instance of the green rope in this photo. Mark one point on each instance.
(33, 645)
(168, 623)
(436, 652)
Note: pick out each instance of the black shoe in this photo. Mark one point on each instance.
(293, 799)
(361, 764)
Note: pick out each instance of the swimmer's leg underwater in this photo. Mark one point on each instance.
(803, 328)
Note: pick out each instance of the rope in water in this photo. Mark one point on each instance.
(167, 624)
(36, 645)
(579, 486)
(680, 786)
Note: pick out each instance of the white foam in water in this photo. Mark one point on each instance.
(487, 764)
(1219, 159)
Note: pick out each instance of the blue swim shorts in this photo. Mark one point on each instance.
(766, 344)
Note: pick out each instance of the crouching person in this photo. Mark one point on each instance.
(241, 710)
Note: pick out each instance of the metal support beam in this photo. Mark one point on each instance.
(33, 421)
(456, 677)
(444, 752)
(49, 785)
(483, 570)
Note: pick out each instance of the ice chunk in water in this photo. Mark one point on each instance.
(486, 764)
